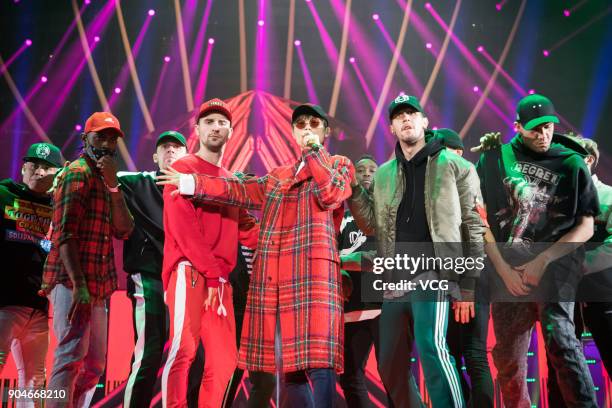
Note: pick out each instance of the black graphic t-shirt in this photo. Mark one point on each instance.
(532, 200)
(540, 196)
(23, 247)
(352, 239)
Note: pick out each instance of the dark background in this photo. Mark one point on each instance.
(576, 75)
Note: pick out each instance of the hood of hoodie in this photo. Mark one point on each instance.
(561, 146)
(432, 146)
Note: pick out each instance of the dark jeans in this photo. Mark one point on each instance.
(297, 392)
(262, 387)
(598, 319)
(469, 341)
(358, 340)
(513, 323)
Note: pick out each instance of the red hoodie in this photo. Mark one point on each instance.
(206, 235)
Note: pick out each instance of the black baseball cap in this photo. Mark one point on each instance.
(309, 109)
(404, 100)
(171, 135)
(533, 110)
(46, 153)
(450, 138)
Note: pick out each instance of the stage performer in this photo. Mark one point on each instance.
(26, 205)
(541, 215)
(200, 250)
(430, 196)
(79, 275)
(142, 260)
(296, 281)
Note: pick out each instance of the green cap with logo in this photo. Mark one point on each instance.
(533, 110)
(46, 153)
(404, 100)
(171, 136)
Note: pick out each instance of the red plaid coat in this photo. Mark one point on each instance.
(296, 268)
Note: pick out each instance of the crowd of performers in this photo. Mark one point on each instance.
(281, 296)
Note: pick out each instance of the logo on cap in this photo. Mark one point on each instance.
(109, 120)
(43, 151)
(402, 98)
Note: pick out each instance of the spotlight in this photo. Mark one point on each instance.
(260, 23)
(308, 1)
(297, 43)
(97, 39)
(531, 91)
(43, 79)
(87, 1)
(78, 128)
(428, 45)
(28, 42)
(480, 48)
(434, 128)
(211, 41)
(117, 90)
(566, 13)
(352, 60)
(498, 7)
(167, 58)
(546, 53)
(475, 88)
(375, 17)
(427, 5)
(151, 12)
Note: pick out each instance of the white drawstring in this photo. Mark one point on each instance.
(221, 309)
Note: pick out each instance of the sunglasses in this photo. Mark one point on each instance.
(314, 123)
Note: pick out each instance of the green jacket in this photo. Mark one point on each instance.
(453, 206)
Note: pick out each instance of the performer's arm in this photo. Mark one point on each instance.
(332, 175)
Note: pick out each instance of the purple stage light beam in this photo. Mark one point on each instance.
(158, 85)
(27, 43)
(328, 43)
(203, 79)
(363, 83)
(478, 68)
(415, 85)
(310, 88)
(122, 78)
(196, 53)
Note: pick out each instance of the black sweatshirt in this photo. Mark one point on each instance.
(26, 218)
(143, 251)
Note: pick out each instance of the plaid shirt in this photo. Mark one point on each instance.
(296, 270)
(82, 211)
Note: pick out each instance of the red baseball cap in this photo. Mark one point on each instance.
(214, 105)
(103, 120)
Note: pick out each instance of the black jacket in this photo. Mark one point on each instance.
(143, 251)
(25, 221)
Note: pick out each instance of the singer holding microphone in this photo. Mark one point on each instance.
(295, 290)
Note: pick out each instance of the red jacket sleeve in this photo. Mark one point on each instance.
(249, 193)
(333, 176)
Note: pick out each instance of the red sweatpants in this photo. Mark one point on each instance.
(189, 323)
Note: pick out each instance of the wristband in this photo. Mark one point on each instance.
(113, 189)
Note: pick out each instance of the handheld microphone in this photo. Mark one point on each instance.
(312, 142)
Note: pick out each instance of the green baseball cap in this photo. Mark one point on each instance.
(45, 152)
(404, 100)
(533, 110)
(171, 135)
